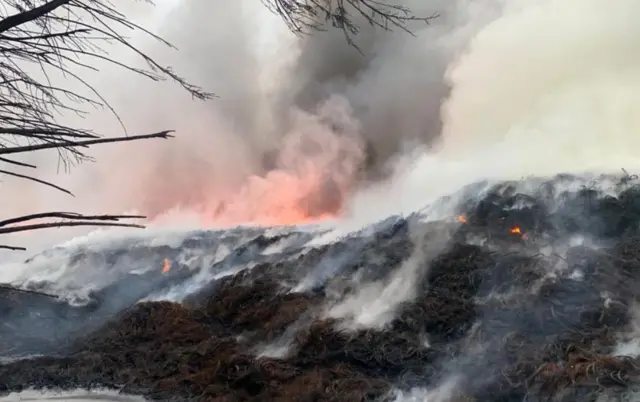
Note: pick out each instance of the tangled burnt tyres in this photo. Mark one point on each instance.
(512, 313)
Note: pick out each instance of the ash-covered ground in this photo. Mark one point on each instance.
(512, 291)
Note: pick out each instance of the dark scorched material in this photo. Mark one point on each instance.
(509, 305)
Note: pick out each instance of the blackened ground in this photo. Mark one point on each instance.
(514, 322)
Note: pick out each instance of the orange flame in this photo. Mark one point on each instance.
(289, 204)
(462, 219)
(167, 266)
(308, 178)
(517, 231)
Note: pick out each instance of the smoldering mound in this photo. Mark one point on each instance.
(524, 289)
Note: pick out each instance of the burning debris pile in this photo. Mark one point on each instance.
(532, 297)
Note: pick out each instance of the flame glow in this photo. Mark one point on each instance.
(306, 179)
(280, 199)
(167, 266)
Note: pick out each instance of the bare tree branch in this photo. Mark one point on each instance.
(13, 248)
(31, 178)
(67, 215)
(15, 289)
(63, 37)
(30, 15)
(70, 219)
(12, 162)
(40, 39)
(46, 225)
(307, 16)
(63, 143)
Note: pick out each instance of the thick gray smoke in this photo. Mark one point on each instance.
(299, 122)
(302, 123)
(395, 83)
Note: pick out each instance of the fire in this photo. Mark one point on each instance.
(517, 231)
(462, 219)
(281, 199)
(308, 178)
(167, 266)
(277, 200)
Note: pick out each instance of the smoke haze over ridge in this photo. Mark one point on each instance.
(298, 118)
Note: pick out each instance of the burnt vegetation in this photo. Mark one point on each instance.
(517, 313)
(510, 305)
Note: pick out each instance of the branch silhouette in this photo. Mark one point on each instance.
(304, 17)
(41, 38)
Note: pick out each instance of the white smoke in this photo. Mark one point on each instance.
(446, 392)
(77, 396)
(374, 305)
(547, 87)
(490, 89)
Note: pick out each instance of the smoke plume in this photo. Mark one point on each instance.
(299, 125)
(310, 127)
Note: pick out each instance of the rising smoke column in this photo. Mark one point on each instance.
(541, 87)
(295, 129)
(287, 128)
(395, 81)
(325, 116)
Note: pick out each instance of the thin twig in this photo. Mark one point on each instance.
(67, 215)
(38, 226)
(35, 292)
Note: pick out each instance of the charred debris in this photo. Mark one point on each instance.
(514, 305)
